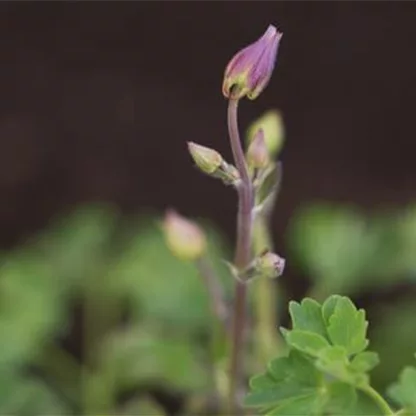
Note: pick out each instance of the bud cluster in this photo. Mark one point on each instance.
(246, 75)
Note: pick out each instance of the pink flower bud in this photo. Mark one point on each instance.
(249, 71)
(257, 154)
(183, 237)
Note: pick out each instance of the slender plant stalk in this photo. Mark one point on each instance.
(242, 259)
(220, 326)
(265, 295)
(379, 400)
(215, 290)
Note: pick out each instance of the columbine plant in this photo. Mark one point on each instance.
(255, 177)
(326, 368)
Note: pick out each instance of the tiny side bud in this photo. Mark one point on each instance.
(257, 153)
(249, 71)
(207, 159)
(184, 238)
(270, 264)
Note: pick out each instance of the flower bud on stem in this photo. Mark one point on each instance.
(183, 237)
(212, 163)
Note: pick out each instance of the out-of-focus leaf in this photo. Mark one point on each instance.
(345, 252)
(393, 337)
(403, 391)
(362, 406)
(77, 245)
(135, 357)
(142, 406)
(31, 308)
(365, 361)
(25, 395)
(406, 228)
(331, 244)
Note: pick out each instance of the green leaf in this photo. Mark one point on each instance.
(296, 367)
(271, 396)
(404, 391)
(28, 396)
(394, 339)
(365, 361)
(306, 341)
(262, 382)
(363, 406)
(306, 405)
(331, 244)
(334, 361)
(302, 369)
(348, 326)
(342, 397)
(325, 365)
(279, 368)
(307, 316)
(142, 406)
(328, 307)
(135, 356)
(287, 377)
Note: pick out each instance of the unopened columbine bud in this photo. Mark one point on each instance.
(249, 71)
(270, 264)
(272, 124)
(257, 153)
(183, 237)
(208, 160)
(212, 163)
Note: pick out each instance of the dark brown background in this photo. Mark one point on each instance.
(98, 100)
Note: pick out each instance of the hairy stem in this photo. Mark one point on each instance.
(241, 260)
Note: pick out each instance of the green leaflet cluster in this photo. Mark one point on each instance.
(326, 370)
(404, 391)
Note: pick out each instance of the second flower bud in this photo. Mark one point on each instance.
(212, 163)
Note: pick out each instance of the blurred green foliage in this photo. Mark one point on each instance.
(95, 312)
(144, 317)
(343, 250)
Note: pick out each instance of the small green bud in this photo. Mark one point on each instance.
(270, 264)
(183, 237)
(207, 159)
(257, 153)
(272, 125)
(212, 163)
